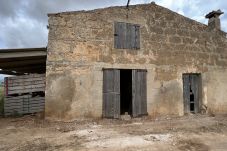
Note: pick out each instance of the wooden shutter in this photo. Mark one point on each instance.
(111, 93)
(186, 93)
(134, 36)
(129, 36)
(120, 35)
(139, 92)
(126, 36)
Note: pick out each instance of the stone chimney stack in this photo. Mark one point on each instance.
(214, 20)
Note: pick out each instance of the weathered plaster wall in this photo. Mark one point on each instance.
(81, 44)
(215, 83)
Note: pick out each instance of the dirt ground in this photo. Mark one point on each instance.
(188, 133)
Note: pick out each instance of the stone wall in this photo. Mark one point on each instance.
(81, 44)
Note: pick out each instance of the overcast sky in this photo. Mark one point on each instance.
(23, 22)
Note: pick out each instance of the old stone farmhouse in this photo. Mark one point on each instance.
(144, 59)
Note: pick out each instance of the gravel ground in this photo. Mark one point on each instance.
(188, 133)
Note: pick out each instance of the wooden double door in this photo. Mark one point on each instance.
(119, 85)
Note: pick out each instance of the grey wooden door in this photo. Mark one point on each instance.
(111, 93)
(139, 93)
(186, 93)
(193, 82)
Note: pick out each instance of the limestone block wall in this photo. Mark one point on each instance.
(81, 44)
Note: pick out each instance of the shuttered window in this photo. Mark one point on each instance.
(126, 36)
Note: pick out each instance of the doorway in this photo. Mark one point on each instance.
(124, 91)
(192, 92)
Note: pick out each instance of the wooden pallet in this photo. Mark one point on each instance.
(24, 84)
(20, 94)
(23, 104)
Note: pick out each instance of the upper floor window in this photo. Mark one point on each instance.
(126, 36)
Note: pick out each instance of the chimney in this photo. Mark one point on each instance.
(214, 20)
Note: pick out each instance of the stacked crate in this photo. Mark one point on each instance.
(24, 94)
